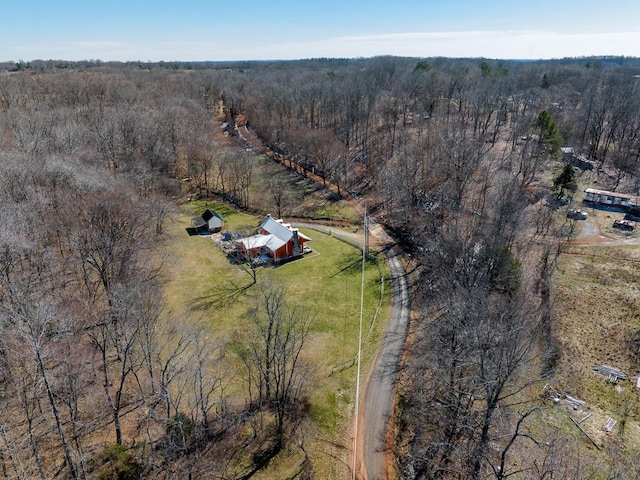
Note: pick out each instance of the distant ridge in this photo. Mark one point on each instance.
(606, 61)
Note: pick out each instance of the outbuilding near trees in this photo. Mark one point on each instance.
(210, 221)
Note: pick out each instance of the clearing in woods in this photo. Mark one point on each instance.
(598, 311)
(326, 283)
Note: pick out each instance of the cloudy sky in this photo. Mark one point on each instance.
(156, 30)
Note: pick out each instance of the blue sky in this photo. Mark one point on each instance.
(277, 29)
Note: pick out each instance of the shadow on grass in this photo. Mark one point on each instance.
(354, 264)
(607, 208)
(192, 231)
(225, 295)
(222, 296)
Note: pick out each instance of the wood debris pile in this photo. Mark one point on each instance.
(613, 374)
(609, 424)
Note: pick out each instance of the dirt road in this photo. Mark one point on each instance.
(591, 235)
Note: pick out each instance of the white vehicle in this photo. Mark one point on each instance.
(576, 214)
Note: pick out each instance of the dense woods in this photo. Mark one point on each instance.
(456, 157)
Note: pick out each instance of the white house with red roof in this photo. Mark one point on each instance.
(276, 240)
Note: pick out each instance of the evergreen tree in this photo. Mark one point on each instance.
(549, 137)
(564, 179)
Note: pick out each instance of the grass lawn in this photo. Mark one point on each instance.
(326, 282)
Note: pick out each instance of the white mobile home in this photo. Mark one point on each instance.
(604, 197)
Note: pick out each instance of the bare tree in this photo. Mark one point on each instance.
(273, 352)
(118, 338)
(108, 246)
(33, 321)
(278, 186)
(208, 376)
(199, 163)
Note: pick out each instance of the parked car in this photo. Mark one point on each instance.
(623, 224)
(576, 214)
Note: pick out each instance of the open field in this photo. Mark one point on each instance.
(598, 318)
(202, 283)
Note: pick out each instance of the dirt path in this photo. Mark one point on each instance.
(591, 236)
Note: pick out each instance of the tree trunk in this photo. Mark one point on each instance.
(56, 415)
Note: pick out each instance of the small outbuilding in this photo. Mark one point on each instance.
(575, 160)
(210, 221)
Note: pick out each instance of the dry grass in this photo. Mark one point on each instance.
(327, 284)
(598, 310)
(602, 221)
(303, 197)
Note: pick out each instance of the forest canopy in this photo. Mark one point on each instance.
(460, 159)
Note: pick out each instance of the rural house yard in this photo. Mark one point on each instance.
(202, 283)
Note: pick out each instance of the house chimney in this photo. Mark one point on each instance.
(296, 244)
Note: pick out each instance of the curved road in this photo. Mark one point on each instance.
(377, 403)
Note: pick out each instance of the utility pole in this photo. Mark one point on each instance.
(366, 234)
(357, 409)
